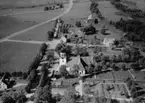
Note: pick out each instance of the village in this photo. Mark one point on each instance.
(81, 62)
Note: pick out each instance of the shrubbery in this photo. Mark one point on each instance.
(134, 29)
(89, 30)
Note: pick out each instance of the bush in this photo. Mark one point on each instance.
(50, 35)
(78, 24)
(89, 30)
(63, 71)
(43, 48)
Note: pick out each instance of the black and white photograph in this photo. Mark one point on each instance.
(72, 51)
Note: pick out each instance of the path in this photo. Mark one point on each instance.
(40, 24)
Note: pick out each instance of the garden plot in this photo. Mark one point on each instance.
(114, 91)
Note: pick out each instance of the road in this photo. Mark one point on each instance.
(40, 24)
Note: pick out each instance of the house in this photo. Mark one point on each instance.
(108, 42)
(90, 19)
(62, 59)
(3, 85)
(82, 63)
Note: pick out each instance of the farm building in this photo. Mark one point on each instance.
(108, 42)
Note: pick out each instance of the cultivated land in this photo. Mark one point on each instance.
(8, 4)
(78, 11)
(16, 56)
(10, 25)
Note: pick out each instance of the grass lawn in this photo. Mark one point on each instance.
(39, 33)
(16, 56)
(10, 25)
(109, 11)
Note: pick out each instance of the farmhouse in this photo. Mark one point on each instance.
(108, 42)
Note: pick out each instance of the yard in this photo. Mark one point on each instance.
(16, 56)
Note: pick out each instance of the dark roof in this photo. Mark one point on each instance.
(82, 64)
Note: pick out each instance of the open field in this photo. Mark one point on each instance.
(38, 17)
(39, 33)
(6, 4)
(10, 25)
(110, 12)
(79, 11)
(16, 56)
(140, 4)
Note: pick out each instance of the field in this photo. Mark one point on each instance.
(10, 25)
(39, 33)
(6, 4)
(16, 56)
(110, 12)
(140, 4)
(79, 11)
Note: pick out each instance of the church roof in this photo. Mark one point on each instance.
(82, 62)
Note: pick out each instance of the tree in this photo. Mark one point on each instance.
(7, 99)
(69, 96)
(96, 21)
(63, 71)
(89, 30)
(116, 43)
(50, 35)
(21, 98)
(44, 76)
(43, 48)
(78, 24)
(135, 66)
(28, 87)
(32, 75)
(123, 67)
(43, 94)
(75, 70)
(50, 55)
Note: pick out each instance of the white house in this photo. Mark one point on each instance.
(108, 42)
(62, 59)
